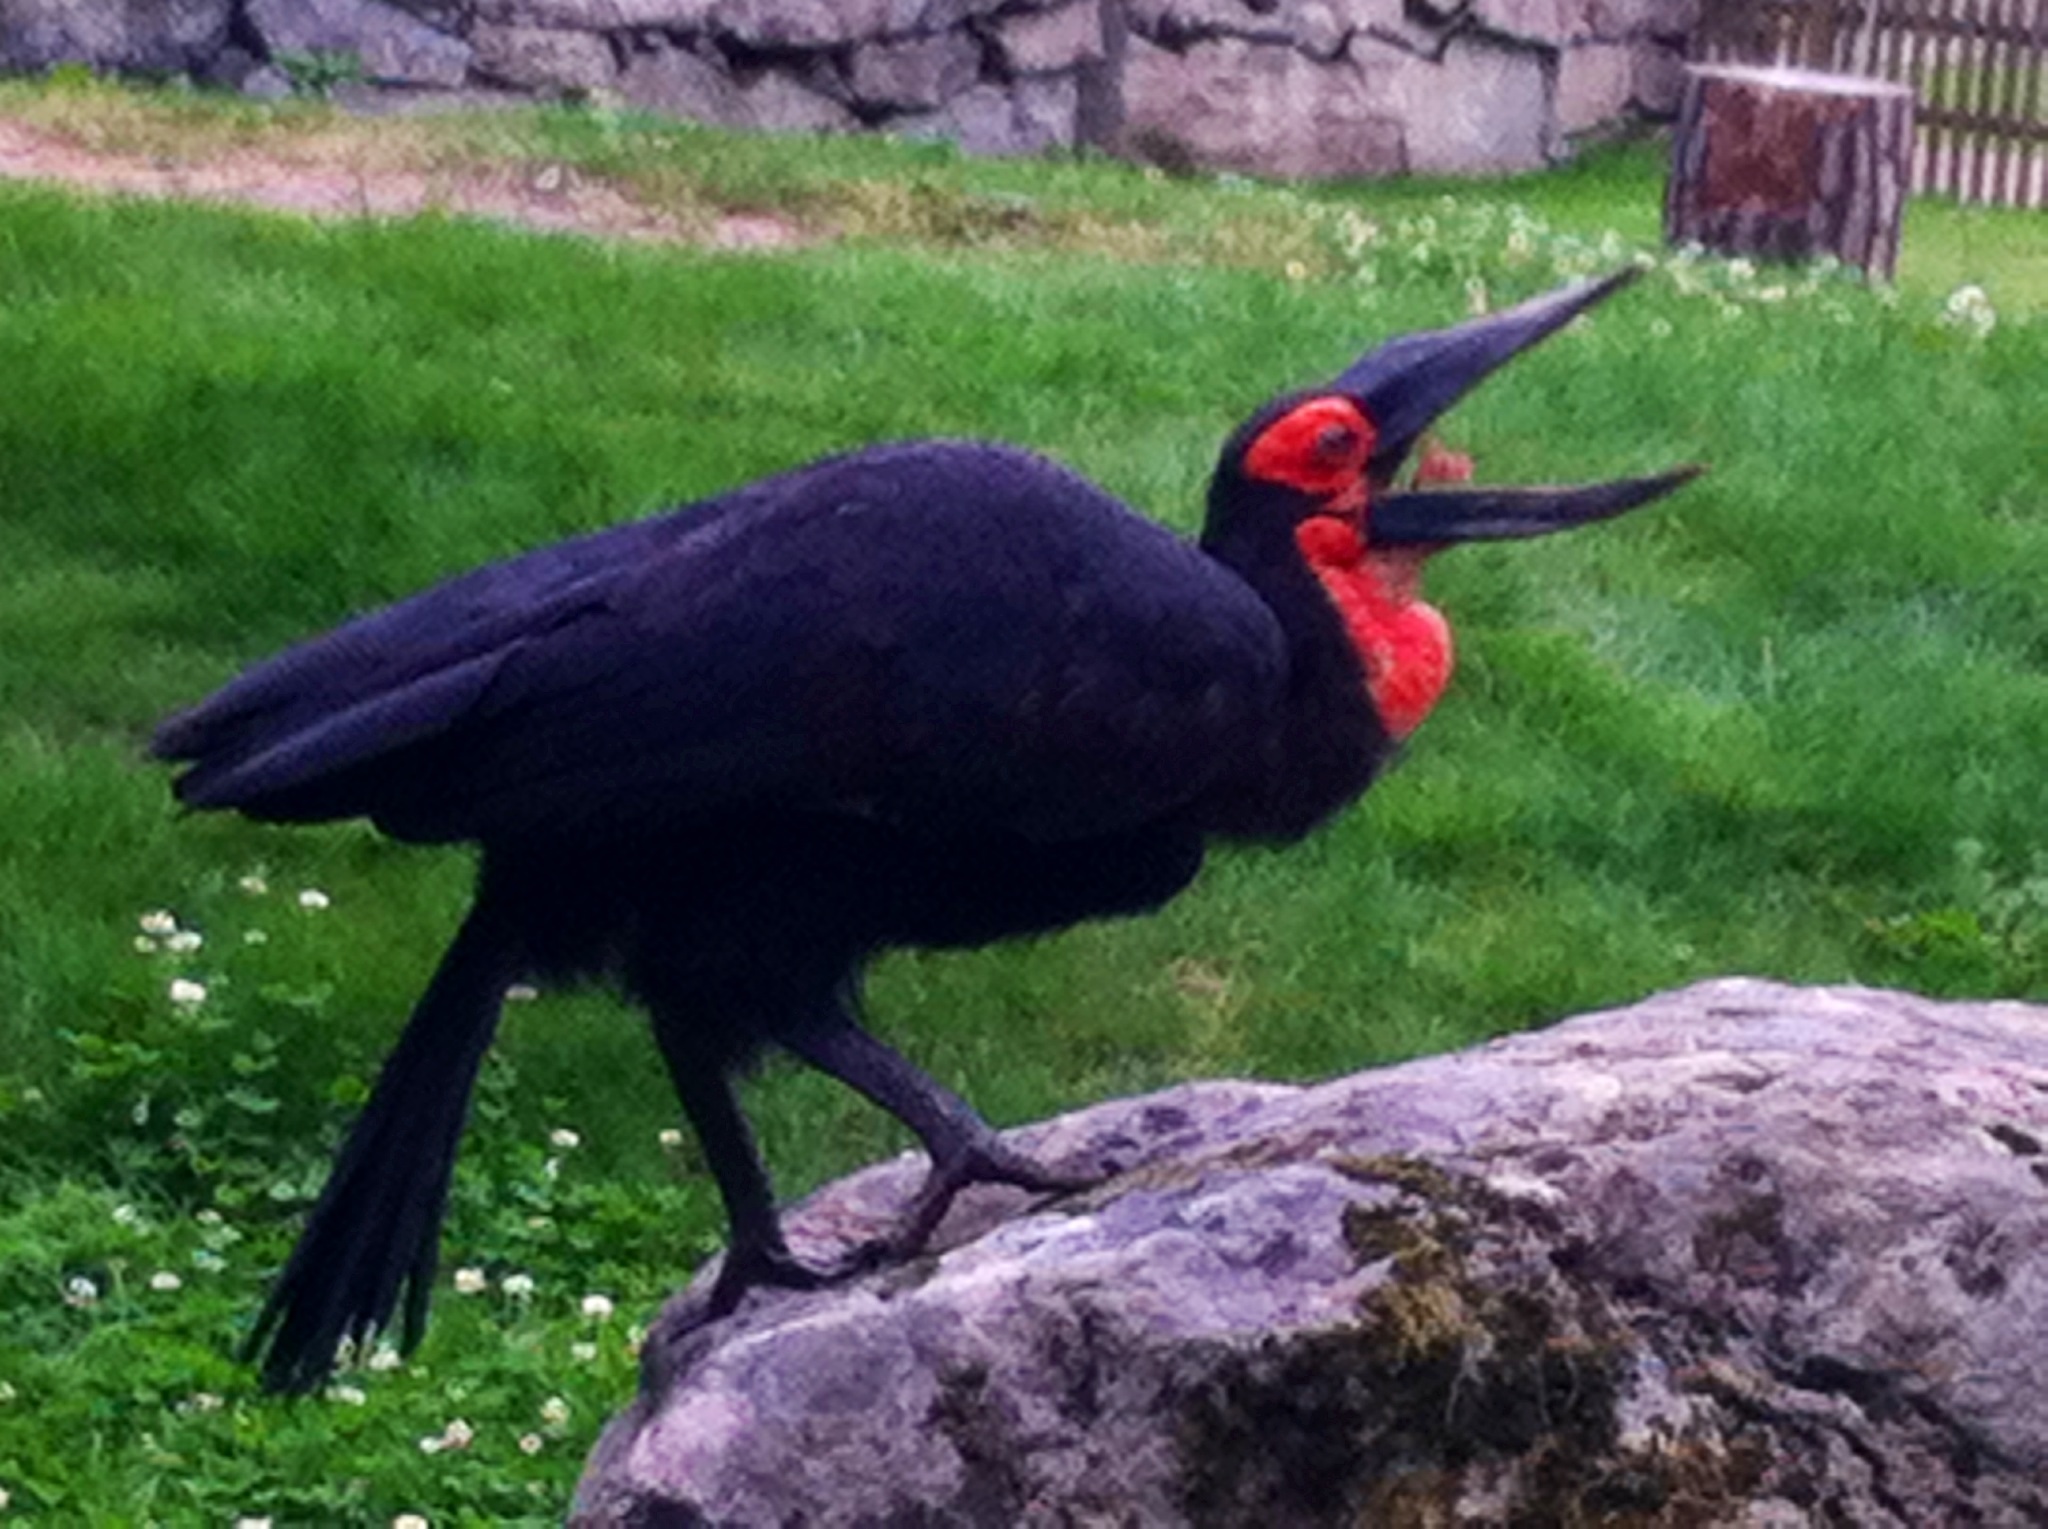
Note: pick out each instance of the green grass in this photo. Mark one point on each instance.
(1790, 724)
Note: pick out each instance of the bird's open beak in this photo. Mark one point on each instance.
(1407, 383)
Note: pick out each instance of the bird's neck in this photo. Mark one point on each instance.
(1403, 643)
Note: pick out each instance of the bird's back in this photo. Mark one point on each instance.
(945, 631)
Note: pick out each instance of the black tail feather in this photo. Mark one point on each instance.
(376, 1228)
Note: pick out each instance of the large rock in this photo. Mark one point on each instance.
(393, 46)
(1742, 1254)
(148, 36)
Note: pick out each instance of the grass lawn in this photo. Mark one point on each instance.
(1791, 724)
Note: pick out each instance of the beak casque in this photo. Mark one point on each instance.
(1407, 383)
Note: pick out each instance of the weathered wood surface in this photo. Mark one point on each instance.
(1978, 70)
(1787, 164)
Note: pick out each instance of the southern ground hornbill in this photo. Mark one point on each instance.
(928, 694)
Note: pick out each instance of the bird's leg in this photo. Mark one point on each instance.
(964, 1148)
(756, 1253)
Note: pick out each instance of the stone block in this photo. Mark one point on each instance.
(676, 82)
(1484, 108)
(543, 58)
(1027, 117)
(598, 15)
(918, 74)
(394, 46)
(146, 36)
(681, 84)
(1262, 108)
(1042, 42)
(1659, 80)
(1595, 84)
(1551, 23)
(835, 23)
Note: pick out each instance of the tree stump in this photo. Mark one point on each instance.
(1787, 164)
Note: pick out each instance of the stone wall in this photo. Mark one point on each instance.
(1282, 87)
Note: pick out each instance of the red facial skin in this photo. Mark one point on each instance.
(1403, 643)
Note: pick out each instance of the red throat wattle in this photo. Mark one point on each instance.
(1403, 642)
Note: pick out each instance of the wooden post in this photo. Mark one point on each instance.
(1788, 164)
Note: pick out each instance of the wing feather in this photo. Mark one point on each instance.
(936, 633)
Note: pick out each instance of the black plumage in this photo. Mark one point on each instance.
(929, 694)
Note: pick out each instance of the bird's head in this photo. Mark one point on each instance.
(1315, 471)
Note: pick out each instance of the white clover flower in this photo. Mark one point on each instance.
(126, 1215)
(457, 1435)
(315, 899)
(554, 1412)
(203, 1401)
(165, 1281)
(5, 1499)
(208, 1260)
(255, 937)
(80, 1291)
(1296, 271)
(521, 992)
(246, 1522)
(551, 1169)
(583, 1353)
(208, 1216)
(184, 941)
(530, 1443)
(144, 945)
(253, 884)
(410, 1521)
(1741, 270)
(670, 1138)
(186, 993)
(597, 1307)
(1969, 307)
(1775, 293)
(7, 1392)
(564, 1138)
(518, 1286)
(348, 1396)
(384, 1357)
(159, 921)
(471, 1282)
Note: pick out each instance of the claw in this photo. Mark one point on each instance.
(982, 1161)
(772, 1264)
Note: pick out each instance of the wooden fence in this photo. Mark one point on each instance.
(1979, 69)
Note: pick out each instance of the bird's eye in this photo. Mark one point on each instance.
(1336, 443)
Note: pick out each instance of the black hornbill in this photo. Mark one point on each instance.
(929, 694)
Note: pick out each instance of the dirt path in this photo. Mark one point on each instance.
(328, 179)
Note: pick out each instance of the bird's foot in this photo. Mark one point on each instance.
(976, 1160)
(979, 1160)
(772, 1264)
